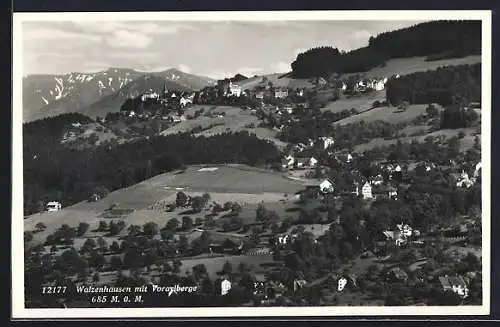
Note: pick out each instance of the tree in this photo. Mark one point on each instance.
(150, 229)
(227, 268)
(199, 271)
(197, 204)
(181, 199)
(173, 224)
(262, 213)
(207, 286)
(96, 278)
(103, 226)
(116, 228)
(187, 223)
(28, 236)
(133, 259)
(40, 226)
(103, 245)
(134, 230)
(176, 263)
(82, 229)
(89, 245)
(431, 110)
(116, 262)
(206, 197)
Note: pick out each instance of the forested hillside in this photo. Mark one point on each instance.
(53, 172)
(437, 40)
(446, 86)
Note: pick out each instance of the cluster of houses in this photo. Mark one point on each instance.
(401, 234)
(364, 190)
(182, 98)
(464, 180)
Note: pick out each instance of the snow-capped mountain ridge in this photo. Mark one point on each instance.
(75, 90)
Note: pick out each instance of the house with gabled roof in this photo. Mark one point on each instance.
(456, 284)
(326, 186)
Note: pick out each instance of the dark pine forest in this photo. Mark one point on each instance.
(435, 40)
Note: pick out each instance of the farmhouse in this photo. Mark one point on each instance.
(401, 234)
(326, 186)
(280, 93)
(186, 100)
(366, 191)
(53, 206)
(307, 162)
(288, 108)
(463, 180)
(288, 161)
(327, 142)
(300, 92)
(222, 286)
(454, 284)
(259, 95)
(378, 180)
(149, 95)
(176, 118)
(233, 90)
(298, 284)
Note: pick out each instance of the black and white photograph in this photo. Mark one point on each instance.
(214, 164)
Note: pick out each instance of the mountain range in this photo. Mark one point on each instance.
(49, 95)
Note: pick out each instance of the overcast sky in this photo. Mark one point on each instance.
(214, 49)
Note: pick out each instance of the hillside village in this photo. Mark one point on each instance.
(348, 189)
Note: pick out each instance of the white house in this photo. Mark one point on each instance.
(366, 191)
(378, 180)
(284, 239)
(131, 114)
(225, 286)
(233, 90)
(327, 142)
(464, 180)
(280, 93)
(288, 109)
(53, 206)
(77, 124)
(342, 282)
(401, 233)
(326, 186)
(477, 171)
(288, 161)
(184, 101)
(349, 158)
(392, 193)
(313, 162)
(454, 284)
(149, 95)
(379, 85)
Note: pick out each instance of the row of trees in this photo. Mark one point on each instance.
(455, 38)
